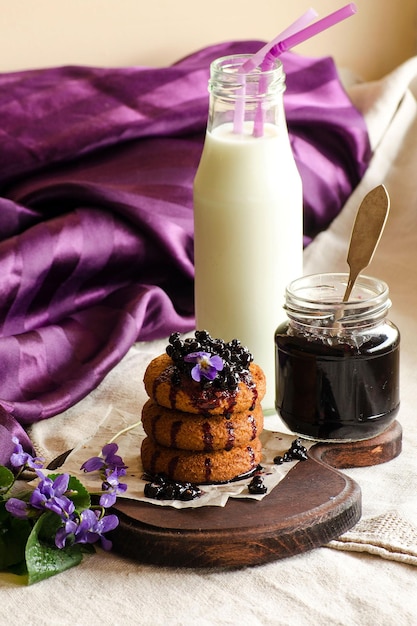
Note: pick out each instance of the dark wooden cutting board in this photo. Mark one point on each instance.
(312, 505)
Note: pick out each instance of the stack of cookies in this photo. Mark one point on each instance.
(203, 417)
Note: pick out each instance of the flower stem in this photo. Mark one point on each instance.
(125, 430)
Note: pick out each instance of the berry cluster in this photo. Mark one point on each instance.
(256, 485)
(162, 488)
(236, 358)
(296, 452)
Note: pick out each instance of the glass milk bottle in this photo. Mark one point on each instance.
(247, 212)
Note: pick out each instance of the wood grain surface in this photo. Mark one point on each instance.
(312, 505)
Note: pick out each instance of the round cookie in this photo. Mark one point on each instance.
(190, 431)
(200, 467)
(164, 388)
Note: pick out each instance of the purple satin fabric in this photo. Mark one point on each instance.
(96, 225)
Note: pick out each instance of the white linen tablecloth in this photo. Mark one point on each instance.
(366, 577)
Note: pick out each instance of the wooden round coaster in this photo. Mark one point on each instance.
(380, 449)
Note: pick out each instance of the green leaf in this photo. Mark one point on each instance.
(43, 558)
(80, 495)
(6, 479)
(13, 536)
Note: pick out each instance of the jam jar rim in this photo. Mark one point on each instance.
(357, 312)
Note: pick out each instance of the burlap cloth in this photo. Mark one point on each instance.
(388, 535)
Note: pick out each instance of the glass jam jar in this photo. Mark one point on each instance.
(337, 364)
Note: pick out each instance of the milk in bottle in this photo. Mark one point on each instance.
(247, 212)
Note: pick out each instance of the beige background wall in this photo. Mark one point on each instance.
(39, 33)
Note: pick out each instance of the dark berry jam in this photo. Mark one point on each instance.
(335, 388)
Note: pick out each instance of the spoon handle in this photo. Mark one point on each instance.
(367, 230)
(350, 284)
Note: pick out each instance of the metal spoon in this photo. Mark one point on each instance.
(367, 230)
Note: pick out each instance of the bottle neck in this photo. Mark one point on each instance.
(250, 99)
(314, 304)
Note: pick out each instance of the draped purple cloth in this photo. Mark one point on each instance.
(96, 225)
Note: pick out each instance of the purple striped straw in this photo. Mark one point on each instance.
(294, 39)
(257, 59)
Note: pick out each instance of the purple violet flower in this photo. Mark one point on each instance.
(111, 486)
(207, 365)
(50, 495)
(66, 534)
(89, 528)
(102, 525)
(109, 459)
(17, 508)
(110, 466)
(64, 507)
(19, 458)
